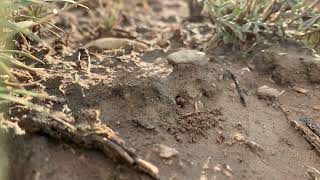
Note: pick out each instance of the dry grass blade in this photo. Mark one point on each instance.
(26, 54)
(268, 11)
(4, 69)
(22, 85)
(9, 60)
(310, 7)
(309, 23)
(245, 11)
(24, 102)
(27, 93)
(37, 19)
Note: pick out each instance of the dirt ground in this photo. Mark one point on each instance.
(194, 109)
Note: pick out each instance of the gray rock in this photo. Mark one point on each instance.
(188, 57)
(167, 152)
(266, 92)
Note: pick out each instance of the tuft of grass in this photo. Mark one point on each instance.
(244, 22)
(110, 12)
(18, 19)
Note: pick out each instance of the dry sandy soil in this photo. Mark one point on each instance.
(194, 109)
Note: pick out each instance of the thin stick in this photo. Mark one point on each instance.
(307, 132)
(240, 92)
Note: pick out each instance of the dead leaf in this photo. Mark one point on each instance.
(115, 43)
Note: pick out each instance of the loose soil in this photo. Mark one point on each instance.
(194, 109)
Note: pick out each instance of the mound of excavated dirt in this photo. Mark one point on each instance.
(291, 66)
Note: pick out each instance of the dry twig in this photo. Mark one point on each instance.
(306, 127)
(240, 92)
(99, 136)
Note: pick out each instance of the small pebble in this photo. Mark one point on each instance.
(316, 107)
(203, 177)
(167, 152)
(267, 92)
(237, 136)
(232, 85)
(300, 90)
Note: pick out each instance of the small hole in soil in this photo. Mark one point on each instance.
(180, 101)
